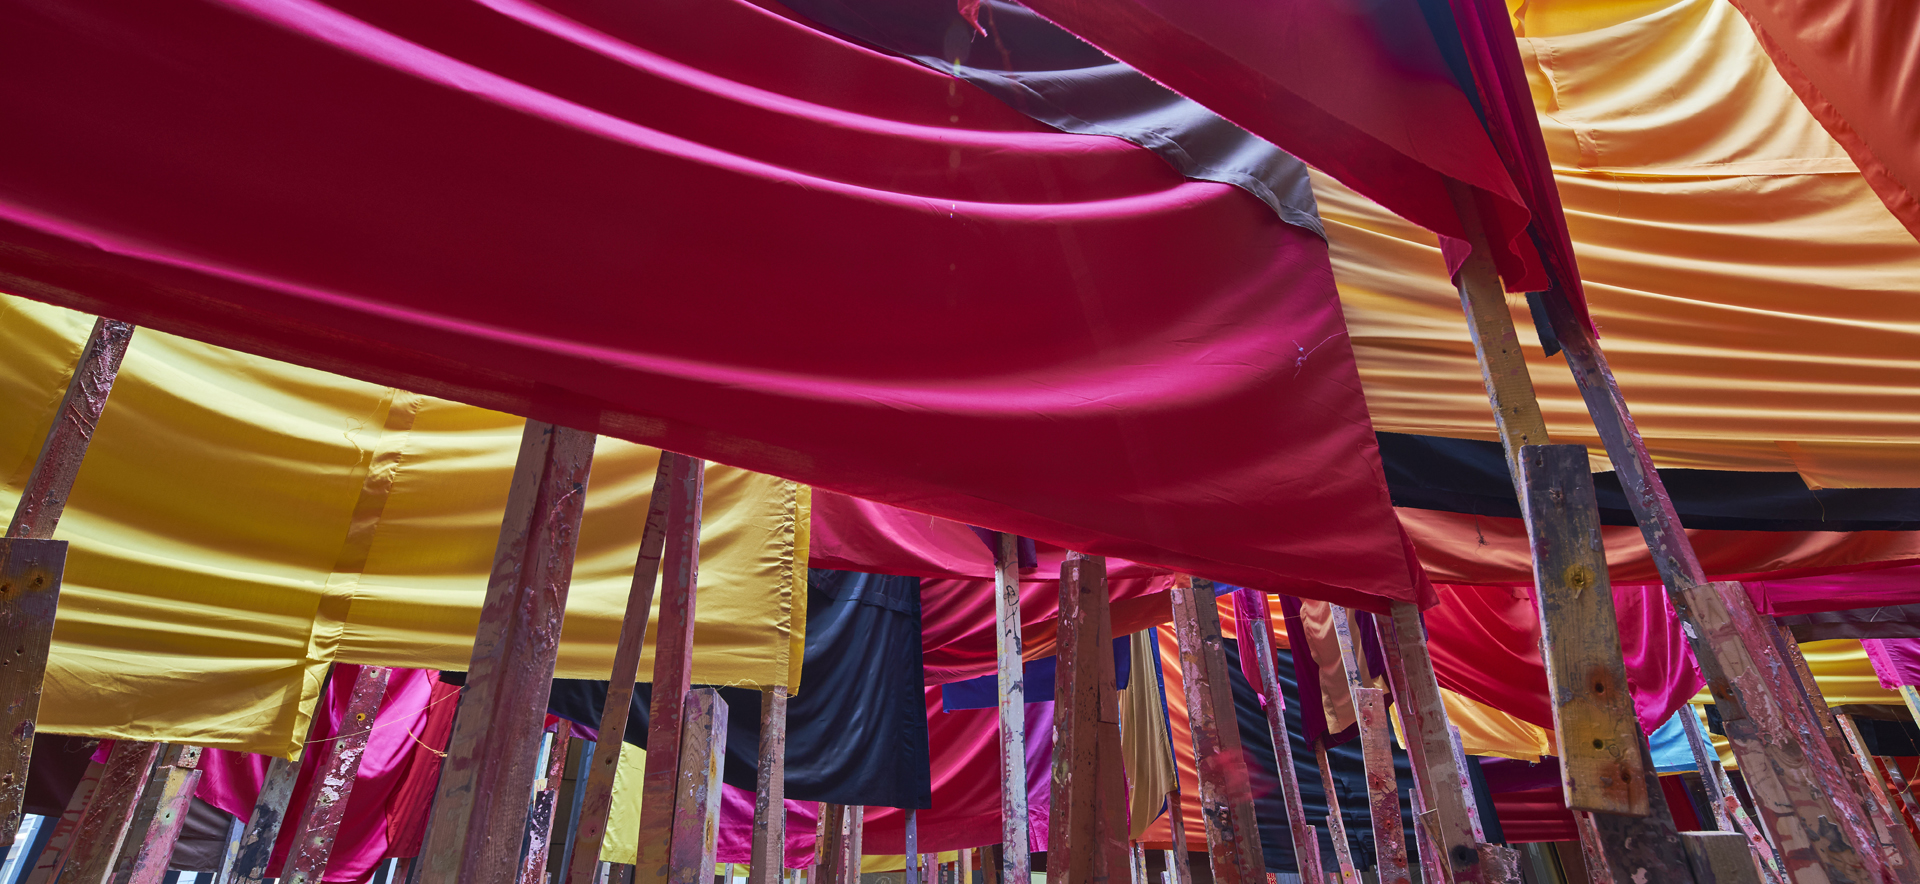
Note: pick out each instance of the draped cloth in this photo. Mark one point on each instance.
(777, 250)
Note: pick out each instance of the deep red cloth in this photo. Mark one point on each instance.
(1357, 90)
(394, 788)
(1865, 588)
(1856, 65)
(1485, 642)
(958, 622)
(1535, 815)
(715, 229)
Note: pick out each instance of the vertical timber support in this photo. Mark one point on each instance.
(596, 797)
(546, 808)
(1087, 842)
(480, 807)
(1383, 785)
(1014, 838)
(61, 842)
(770, 792)
(1604, 762)
(1443, 816)
(1306, 848)
(327, 800)
(1713, 777)
(696, 805)
(1226, 799)
(672, 671)
(913, 874)
(96, 843)
(178, 776)
(828, 840)
(1336, 820)
(263, 826)
(27, 608)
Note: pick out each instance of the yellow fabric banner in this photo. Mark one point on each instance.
(1754, 296)
(241, 523)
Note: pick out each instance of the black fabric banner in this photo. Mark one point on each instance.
(856, 731)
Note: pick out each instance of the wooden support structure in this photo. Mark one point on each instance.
(1087, 842)
(1136, 864)
(672, 670)
(566, 821)
(1179, 864)
(696, 802)
(1713, 777)
(1443, 816)
(1014, 838)
(480, 808)
(1306, 848)
(912, 848)
(333, 781)
(62, 838)
(1376, 748)
(31, 562)
(597, 793)
(171, 787)
(97, 840)
(1336, 820)
(546, 808)
(1895, 833)
(263, 825)
(1720, 858)
(770, 792)
(1226, 798)
(829, 846)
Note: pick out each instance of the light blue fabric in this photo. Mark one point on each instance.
(1670, 751)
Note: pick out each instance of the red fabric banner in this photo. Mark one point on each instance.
(715, 229)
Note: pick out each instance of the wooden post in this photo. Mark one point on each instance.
(1226, 798)
(1087, 840)
(966, 866)
(1443, 816)
(769, 797)
(597, 798)
(178, 776)
(696, 808)
(61, 840)
(1336, 821)
(828, 841)
(853, 846)
(1306, 849)
(1018, 867)
(1179, 864)
(263, 826)
(237, 827)
(480, 807)
(1720, 858)
(30, 563)
(1885, 814)
(333, 780)
(1136, 865)
(546, 807)
(566, 822)
(1713, 777)
(96, 842)
(672, 671)
(912, 846)
(1383, 785)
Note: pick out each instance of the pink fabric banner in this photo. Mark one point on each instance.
(1895, 660)
(712, 228)
(390, 796)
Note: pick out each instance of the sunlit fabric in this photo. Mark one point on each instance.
(241, 523)
(778, 250)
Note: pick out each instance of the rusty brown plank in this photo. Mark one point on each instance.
(61, 840)
(480, 807)
(1593, 713)
(1306, 850)
(1226, 798)
(1336, 821)
(770, 793)
(1720, 858)
(597, 795)
(546, 803)
(672, 671)
(912, 846)
(334, 778)
(696, 803)
(1087, 838)
(172, 783)
(1179, 863)
(263, 825)
(830, 833)
(1376, 748)
(1713, 777)
(1014, 835)
(97, 840)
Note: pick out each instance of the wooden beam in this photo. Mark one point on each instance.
(30, 572)
(1720, 858)
(1383, 783)
(1423, 718)
(480, 808)
(1179, 863)
(1226, 798)
(61, 841)
(1014, 837)
(828, 839)
(334, 779)
(96, 843)
(1336, 821)
(566, 823)
(1306, 848)
(672, 671)
(1088, 836)
(770, 792)
(172, 784)
(597, 793)
(1593, 713)
(1713, 777)
(912, 846)
(263, 825)
(1887, 817)
(546, 807)
(696, 804)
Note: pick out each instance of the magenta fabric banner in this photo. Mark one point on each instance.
(712, 228)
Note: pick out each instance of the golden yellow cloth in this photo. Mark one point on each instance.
(1144, 735)
(1755, 298)
(241, 523)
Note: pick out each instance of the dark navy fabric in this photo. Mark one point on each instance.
(1037, 675)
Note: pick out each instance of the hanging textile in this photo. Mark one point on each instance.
(1145, 739)
(873, 277)
(1037, 676)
